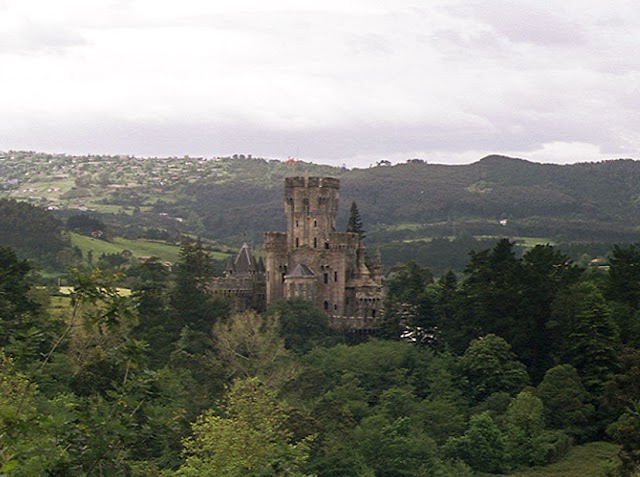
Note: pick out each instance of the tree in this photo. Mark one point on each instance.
(511, 298)
(355, 221)
(491, 296)
(251, 438)
(302, 325)
(586, 336)
(444, 297)
(15, 303)
(626, 431)
(623, 288)
(32, 231)
(624, 275)
(372, 367)
(26, 329)
(566, 402)
(482, 446)
(545, 273)
(394, 448)
(86, 224)
(95, 400)
(408, 310)
(527, 442)
(150, 289)
(28, 445)
(191, 302)
(249, 345)
(491, 367)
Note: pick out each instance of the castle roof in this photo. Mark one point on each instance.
(245, 261)
(301, 271)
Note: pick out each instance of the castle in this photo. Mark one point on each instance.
(243, 284)
(311, 260)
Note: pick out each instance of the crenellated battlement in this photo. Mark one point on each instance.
(327, 182)
(275, 241)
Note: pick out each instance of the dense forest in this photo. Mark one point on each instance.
(512, 364)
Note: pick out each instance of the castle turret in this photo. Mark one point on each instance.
(311, 206)
(275, 246)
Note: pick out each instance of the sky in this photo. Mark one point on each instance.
(342, 82)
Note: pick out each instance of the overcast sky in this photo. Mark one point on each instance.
(334, 81)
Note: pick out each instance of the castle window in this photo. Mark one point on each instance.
(315, 242)
(297, 225)
(315, 223)
(326, 305)
(326, 278)
(326, 245)
(335, 276)
(335, 307)
(373, 313)
(297, 242)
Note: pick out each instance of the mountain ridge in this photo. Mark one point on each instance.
(236, 199)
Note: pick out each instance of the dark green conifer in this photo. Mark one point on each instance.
(355, 221)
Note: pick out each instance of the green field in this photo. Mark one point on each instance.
(138, 248)
(66, 291)
(589, 460)
(528, 242)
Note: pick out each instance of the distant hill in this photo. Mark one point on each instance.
(590, 201)
(582, 202)
(236, 199)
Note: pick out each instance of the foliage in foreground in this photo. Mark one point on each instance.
(146, 384)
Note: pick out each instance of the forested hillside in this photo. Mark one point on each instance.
(33, 232)
(582, 201)
(434, 213)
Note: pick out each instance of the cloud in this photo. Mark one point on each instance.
(20, 35)
(566, 153)
(338, 81)
(529, 22)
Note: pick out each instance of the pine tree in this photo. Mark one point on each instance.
(585, 334)
(355, 221)
(191, 302)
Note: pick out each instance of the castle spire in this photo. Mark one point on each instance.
(363, 270)
(377, 264)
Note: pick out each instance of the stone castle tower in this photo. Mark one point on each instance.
(314, 261)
